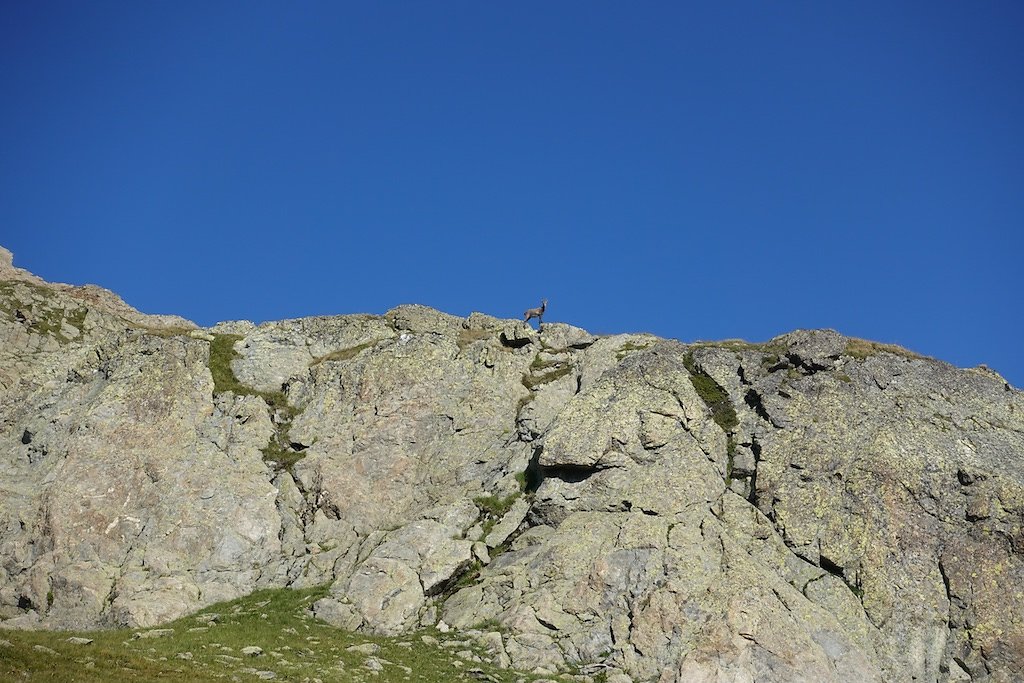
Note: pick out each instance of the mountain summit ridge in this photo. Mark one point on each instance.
(813, 508)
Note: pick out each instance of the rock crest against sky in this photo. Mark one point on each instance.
(816, 508)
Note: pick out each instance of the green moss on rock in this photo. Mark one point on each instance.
(714, 396)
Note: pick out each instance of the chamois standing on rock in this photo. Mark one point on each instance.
(537, 313)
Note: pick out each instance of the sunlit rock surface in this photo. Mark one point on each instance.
(815, 508)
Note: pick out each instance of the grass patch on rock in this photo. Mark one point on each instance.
(280, 455)
(523, 402)
(278, 451)
(628, 348)
(467, 337)
(493, 508)
(496, 506)
(713, 394)
(345, 354)
(43, 314)
(269, 634)
(737, 345)
(531, 382)
(222, 352)
(862, 348)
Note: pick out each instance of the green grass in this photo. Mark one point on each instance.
(76, 317)
(468, 336)
(556, 370)
(222, 352)
(45, 316)
(345, 354)
(538, 364)
(531, 382)
(278, 451)
(467, 578)
(772, 352)
(628, 348)
(723, 412)
(491, 624)
(207, 646)
(730, 454)
(497, 506)
(714, 396)
(494, 508)
(862, 348)
(281, 456)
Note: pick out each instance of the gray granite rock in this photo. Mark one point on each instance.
(858, 518)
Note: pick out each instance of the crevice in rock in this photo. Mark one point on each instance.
(775, 363)
(964, 476)
(854, 584)
(514, 343)
(128, 556)
(831, 567)
(569, 473)
(451, 585)
(755, 448)
(819, 577)
(621, 506)
(945, 584)
(470, 572)
(581, 345)
(314, 499)
(534, 475)
(805, 366)
(545, 624)
(754, 400)
(538, 374)
(952, 625)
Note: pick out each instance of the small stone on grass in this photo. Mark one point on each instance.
(365, 648)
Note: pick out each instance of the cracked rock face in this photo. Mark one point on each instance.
(816, 508)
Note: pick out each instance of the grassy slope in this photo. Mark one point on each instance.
(296, 647)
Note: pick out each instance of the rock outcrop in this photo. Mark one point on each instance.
(815, 508)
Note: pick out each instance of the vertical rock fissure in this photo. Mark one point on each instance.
(755, 449)
(753, 399)
(951, 654)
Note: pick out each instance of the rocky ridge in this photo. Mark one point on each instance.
(815, 508)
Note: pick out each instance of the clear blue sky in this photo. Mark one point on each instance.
(695, 170)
